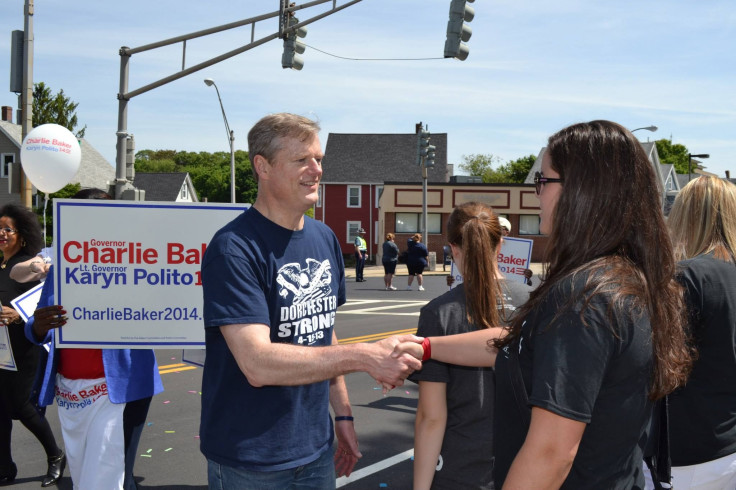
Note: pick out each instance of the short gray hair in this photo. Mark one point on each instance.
(266, 136)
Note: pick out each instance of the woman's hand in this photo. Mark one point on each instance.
(46, 318)
(9, 315)
(413, 348)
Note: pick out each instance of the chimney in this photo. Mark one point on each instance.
(7, 113)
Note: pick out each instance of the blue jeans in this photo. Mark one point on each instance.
(317, 475)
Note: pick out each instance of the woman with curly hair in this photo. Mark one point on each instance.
(20, 240)
(602, 336)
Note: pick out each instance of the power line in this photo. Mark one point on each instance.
(372, 59)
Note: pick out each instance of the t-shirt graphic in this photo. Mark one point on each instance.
(312, 310)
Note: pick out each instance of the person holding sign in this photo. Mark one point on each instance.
(21, 239)
(456, 402)
(603, 334)
(103, 395)
(272, 282)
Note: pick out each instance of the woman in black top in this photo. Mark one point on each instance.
(20, 239)
(600, 338)
(702, 414)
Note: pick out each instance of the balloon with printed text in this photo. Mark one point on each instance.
(50, 156)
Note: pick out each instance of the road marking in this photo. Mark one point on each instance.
(376, 336)
(173, 368)
(382, 307)
(374, 468)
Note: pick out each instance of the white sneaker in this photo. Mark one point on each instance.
(421, 288)
(391, 288)
(408, 288)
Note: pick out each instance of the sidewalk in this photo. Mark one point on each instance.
(377, 271)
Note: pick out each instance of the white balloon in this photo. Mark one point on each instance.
(50, 156)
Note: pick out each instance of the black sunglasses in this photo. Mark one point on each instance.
(539, 181)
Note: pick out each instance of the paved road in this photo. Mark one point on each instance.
(169, 456)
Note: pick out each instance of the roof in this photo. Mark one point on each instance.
(376, 158)
(94, 170)
(162, 186)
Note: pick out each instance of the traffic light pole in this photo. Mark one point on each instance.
(121, 181)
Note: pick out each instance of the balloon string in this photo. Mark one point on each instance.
(45, 203)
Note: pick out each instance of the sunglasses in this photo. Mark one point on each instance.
(539, 181)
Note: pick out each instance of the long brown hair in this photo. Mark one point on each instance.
(608, 224)
(475, 229)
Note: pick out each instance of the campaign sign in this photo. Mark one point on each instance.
(514, 257)
(129, 273)
(25, 304)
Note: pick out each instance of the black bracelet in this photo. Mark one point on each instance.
(344, 417)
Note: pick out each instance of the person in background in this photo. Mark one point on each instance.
(702, 414)
(602, 336)
(505, 225)
(416, 260)
(528, 274)
(361, 252)
(20, 240)
(455, 402)
(101, 437)
(389, 259)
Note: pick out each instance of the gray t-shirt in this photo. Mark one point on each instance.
(466, 457)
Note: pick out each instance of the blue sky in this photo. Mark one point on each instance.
(534, 67)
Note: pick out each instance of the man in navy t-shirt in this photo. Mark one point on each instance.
(272, 282)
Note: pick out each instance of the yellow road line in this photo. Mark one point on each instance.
(173, 368)
(376, 336)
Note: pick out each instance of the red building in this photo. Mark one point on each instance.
(355, 168)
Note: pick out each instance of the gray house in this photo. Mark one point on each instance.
(166, 186)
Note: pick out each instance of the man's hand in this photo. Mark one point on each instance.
(46, 318)
(347, 453)
(390, 370)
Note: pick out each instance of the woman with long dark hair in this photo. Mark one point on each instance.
(603, 334)
(21, 239)
(702, 414)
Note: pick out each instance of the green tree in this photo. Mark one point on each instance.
(210, 172)
(47, 220)
(57, 109)
(514, 171)
(673, 154)
(478, 165)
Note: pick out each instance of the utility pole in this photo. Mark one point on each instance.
(425, 159)
(26, 189)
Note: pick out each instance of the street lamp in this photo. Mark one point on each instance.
(231, 136)
(690, 157)
(648, 128)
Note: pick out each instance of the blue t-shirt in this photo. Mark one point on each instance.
(255, 271)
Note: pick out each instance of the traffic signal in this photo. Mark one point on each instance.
(458, 32)
(292, 46)
(422, 145)
(429, 162)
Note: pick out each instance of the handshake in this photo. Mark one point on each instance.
(393, 359)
